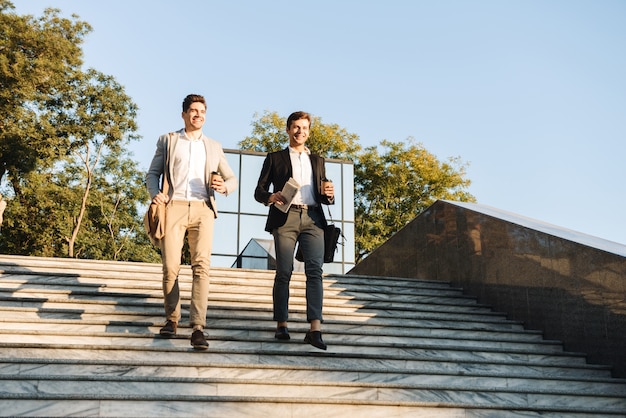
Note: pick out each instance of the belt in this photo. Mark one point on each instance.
(302, 207)
(189, 202)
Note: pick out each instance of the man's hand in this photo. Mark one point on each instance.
(160, 198)
(277, 198)
(217, 184)
(329, 189)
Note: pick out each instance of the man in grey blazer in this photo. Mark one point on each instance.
(302, 223)
(180, 176)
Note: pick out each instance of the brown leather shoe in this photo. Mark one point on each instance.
(169, 329)
(198, 340)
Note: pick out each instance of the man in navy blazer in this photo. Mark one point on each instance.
(302, 223)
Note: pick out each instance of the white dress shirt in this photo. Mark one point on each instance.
(303, 174)
(188, 167)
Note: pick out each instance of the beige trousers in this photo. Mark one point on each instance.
(196, 219)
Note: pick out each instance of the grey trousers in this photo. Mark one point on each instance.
(303, 226)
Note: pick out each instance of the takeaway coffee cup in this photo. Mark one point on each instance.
(215, 174)
(325, 182)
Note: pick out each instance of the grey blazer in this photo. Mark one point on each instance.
(215, 161)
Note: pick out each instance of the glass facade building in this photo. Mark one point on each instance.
(240, 239)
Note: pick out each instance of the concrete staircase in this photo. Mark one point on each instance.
(78, 338)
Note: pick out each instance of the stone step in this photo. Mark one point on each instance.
(56, 292)
(259, 329)
(148, 387)
(128, 279)
(74, 309)
(88, 310)
(228, 326)
(420, 310)
(296, 352)
(111, 269)
(29, 367)
(79, 337)
(17, 288)
(246, 340)
(240, 407)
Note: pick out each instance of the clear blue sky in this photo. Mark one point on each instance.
(531, 93)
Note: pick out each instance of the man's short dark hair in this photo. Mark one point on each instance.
(192, 98)
(297, 116)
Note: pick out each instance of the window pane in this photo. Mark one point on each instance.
(225, 234)
(333, 172)
(348, 192)
(252, 227)
(250, 169)
(230, 203)
(333, 268)
(348, 244)
(222, 261)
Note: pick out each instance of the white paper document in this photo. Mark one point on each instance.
(288, 192)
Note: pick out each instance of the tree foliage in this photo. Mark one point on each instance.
(74, 190)
(39, 221)
(100, 119)
(328, 140)
(37, 58)
(391, 188)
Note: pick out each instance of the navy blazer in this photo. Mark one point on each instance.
(276, 171)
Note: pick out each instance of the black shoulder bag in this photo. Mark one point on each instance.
(331, 240)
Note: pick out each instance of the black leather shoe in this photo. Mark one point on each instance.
(169, 329)
(315, 339)
(198, 340)
(282, 333)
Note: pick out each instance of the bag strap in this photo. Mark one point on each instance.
(166, 185)
(329, 214)
(343, 238)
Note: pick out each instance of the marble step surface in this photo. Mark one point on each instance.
(364, 292)
(257, 329)
(79, 338)
(425, 321)
(406, 352)
(220, 406)
(151, 387)
(24, 367)
(126, 303)
(296, 352)
(234, 297)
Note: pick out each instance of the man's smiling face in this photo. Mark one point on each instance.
(194, 116)
(298, 132)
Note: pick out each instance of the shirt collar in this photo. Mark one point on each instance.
(306, 150)
(184, 135)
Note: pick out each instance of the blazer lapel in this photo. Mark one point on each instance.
(287, 162)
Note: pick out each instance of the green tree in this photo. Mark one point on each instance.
(391, 188)
(100, 119)
(39, 222)
(394, 187)
(73, 188)
(36, 218)
(118, 210)
(112, 227)
(37, 58)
